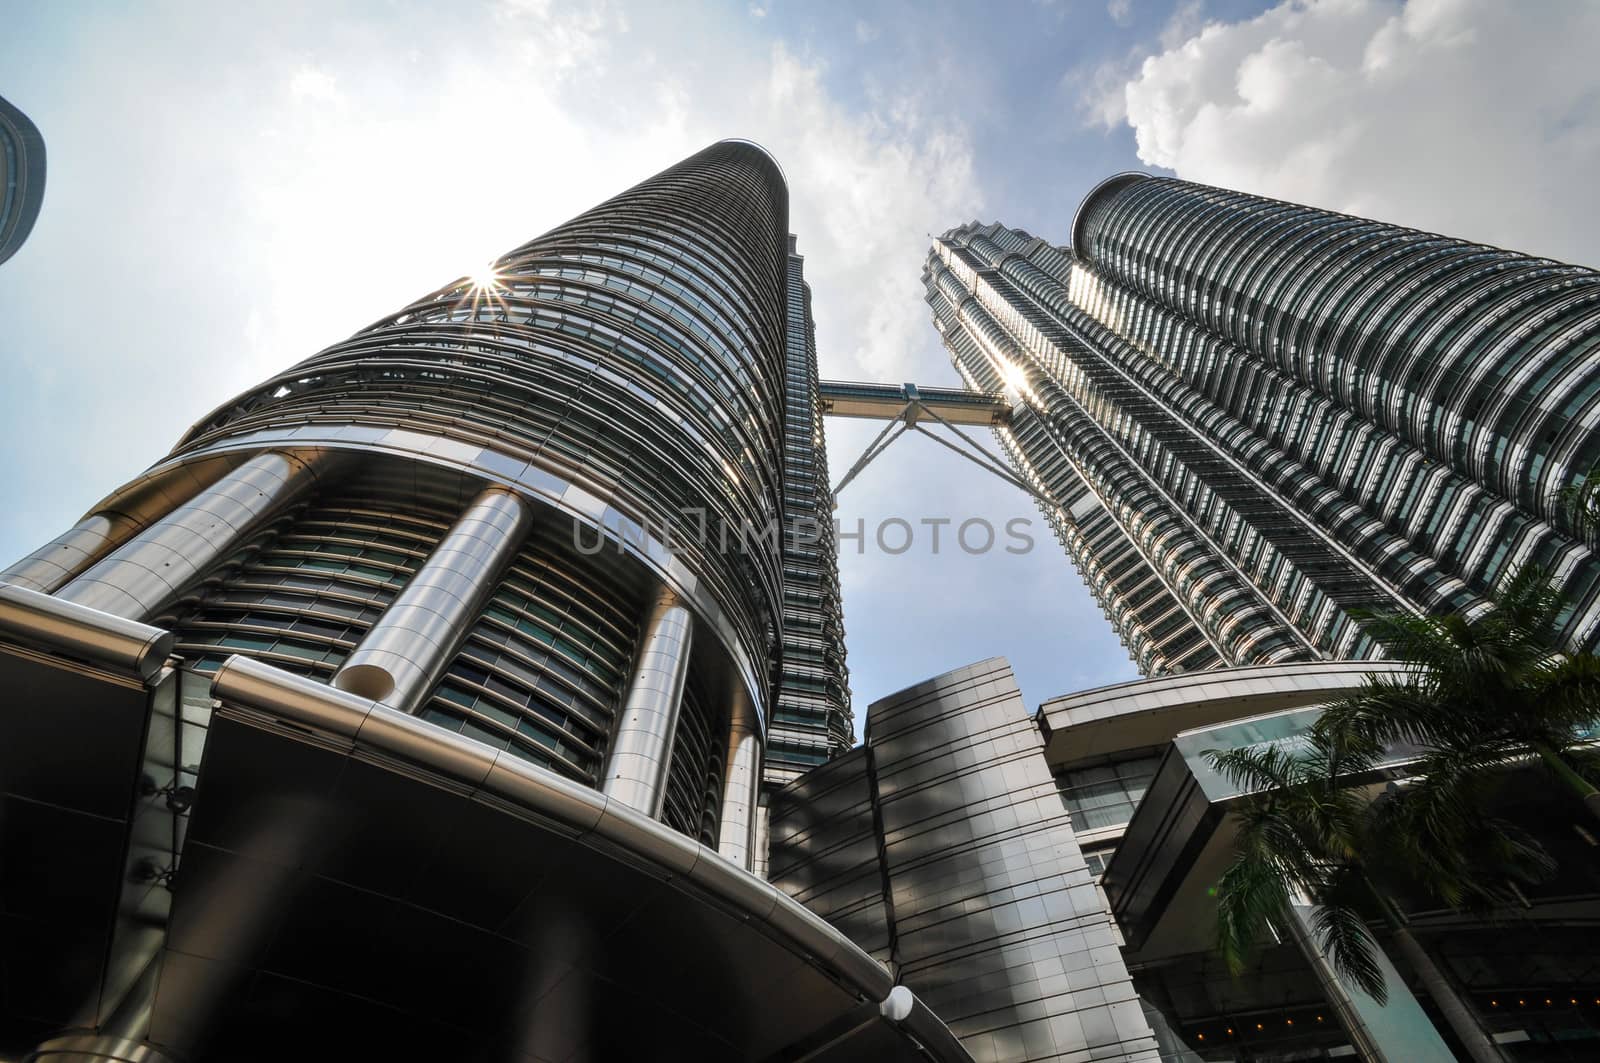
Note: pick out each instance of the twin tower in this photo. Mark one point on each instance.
(430, 698)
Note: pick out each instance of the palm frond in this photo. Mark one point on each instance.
(1498, 855)
(1255, 768)
(1387, 710)
(1585, 760)
(1341, 931)
(1420, 833)
(1579, 503)
(1527, 597)
(1425, 640)
(1333, 751)
(1251, 893)
(1564, 694)
(1521, 624)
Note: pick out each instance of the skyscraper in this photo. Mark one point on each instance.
(627, 370)
(1256, 419)
(22, 152)
(415, 703)
(811, 713)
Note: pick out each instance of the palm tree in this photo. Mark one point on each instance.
(1299, 835)
(1486, 689)
(1303, 832)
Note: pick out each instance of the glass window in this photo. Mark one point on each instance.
(1107, 794)
(1097, 859)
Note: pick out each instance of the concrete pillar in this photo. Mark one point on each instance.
(148, 572)
(641, 752)
(407, 651)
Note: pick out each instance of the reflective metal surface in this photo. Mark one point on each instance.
(826, 849)
(1266, 419)
(79, 631)
(1092, 725)
(109, 524)
(651, 360)
(509, 914)
(887, 402)
(741, 788)
(630, 361)
(636, 769)
(153, 568)
(988, 911)
(412, 643)
(69, 553)
(810, 717)
(73, 772)
(91, 1049)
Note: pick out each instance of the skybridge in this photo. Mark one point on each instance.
(897, 402)
(908, 407)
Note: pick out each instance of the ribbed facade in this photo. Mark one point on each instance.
(941, 848)
(1261, 419)
(416, 705)
(811, 709)
(618, 390)
(637, 349)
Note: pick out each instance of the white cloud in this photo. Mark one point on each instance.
(1470, 117)
(309, 83)
(1098, 88)
(409, 183)
(1121, 12)
(1184, 22)
(866, 32)
(865, 192)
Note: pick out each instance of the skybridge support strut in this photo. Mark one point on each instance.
(909, 407)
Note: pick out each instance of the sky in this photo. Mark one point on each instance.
(233, 187)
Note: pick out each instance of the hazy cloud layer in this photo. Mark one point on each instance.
(242, 209)
(565, 94)
(1475, 118)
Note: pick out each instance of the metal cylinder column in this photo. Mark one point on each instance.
(741, 788)
(56, 562)
(641, 753)
(411, 645)
(149, 571)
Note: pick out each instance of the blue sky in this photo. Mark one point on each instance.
(231, 190)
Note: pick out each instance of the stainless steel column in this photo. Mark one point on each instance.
(413, 642)
(741, 788)
(149, 571)
(641, 753)
(56, 562)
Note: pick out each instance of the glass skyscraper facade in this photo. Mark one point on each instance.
(442, 695)
(1257, 420)
(627, 368)
(811, 709)
(456, 656)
